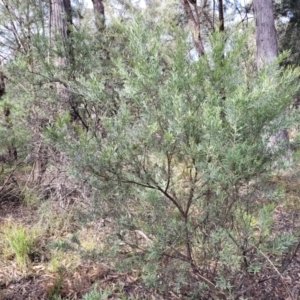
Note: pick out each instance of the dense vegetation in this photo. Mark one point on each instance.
(136, 166)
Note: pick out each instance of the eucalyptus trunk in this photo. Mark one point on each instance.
(193, 16)
(266, 37)
(61, 21)
(266, 52)
(99, 14)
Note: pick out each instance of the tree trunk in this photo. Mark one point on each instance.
(221, 16)
(99, 14)
(267, 51)
(266, 37)
(61, 21)
(61, 17)
(191, 11)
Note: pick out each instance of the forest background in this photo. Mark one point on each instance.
(149, 152)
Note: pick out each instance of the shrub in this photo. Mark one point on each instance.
(19, 242)
(180, 159)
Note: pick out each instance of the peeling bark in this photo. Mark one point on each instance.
(192, 13)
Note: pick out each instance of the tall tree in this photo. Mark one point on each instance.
(266, 37)
(266, 52)
(61, 20)
(99, 13)
(221, 15)
(193, 16)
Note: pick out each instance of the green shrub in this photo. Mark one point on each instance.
(96, 294)
(20, 242)
(180, 158)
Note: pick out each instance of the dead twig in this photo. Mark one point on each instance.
(276, 270)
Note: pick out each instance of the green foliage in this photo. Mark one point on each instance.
(12, 133)
(53, 292)
(20, 242)
(287, 12)
(181, 153)
(30, 196)
(174, 148)
(96, 294)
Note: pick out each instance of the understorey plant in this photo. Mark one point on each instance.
(181, 160)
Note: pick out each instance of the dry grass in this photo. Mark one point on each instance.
(63, 258)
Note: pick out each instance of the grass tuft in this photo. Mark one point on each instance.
(18, 243)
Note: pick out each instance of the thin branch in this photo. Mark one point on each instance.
(142, 234)
(276, 270)
(237, 296)
(14, 29)
(193, 180)
(169, 160)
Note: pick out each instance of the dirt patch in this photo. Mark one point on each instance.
(16, 210)
(74, 285)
